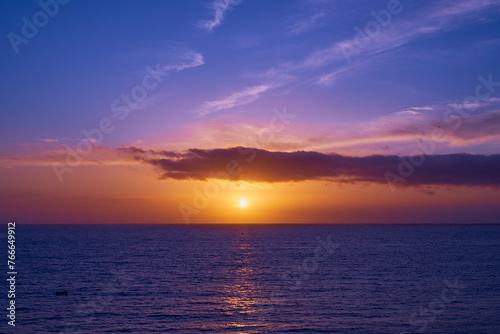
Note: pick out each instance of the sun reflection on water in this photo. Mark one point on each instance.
(244, 298)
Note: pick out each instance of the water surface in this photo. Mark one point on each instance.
(258, 279)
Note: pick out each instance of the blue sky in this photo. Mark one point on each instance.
(272, 53)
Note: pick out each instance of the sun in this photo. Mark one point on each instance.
(243, 202)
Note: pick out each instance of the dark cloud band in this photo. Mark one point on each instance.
(250, 164)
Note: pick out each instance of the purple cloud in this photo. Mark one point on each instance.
(257, 165)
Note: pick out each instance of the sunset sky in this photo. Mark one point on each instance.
(314, 111)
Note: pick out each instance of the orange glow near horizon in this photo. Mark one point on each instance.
(134, 194)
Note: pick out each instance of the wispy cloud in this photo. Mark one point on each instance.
(305, 23)
(177, 59)
(398, 132)
(445, 16)
(30, 155)
(482, 126)
(402, 131)
(183, 59)
(245, 96)
(219, 8)
(328, 65)
(442, 16)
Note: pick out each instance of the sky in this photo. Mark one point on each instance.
(314, 111)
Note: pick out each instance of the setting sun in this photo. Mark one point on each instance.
(243, 202)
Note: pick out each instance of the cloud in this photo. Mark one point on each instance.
(219, 7)
(271, 79)
(483, 126)
(173, 60)
(183, 59)
(137, 151)
(396, 133)
(459, 125)
(245, 96)
(265, 166)
(330, 61)
(33, 156)
(444, 16)
(330, 78)
(305, 23)
(450, 128)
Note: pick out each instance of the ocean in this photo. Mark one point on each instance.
(256, 279)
